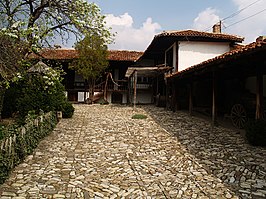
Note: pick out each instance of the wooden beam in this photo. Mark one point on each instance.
(167, 105)
(259, 94)
(175, 104)
(135, 89)
(173, 95)
(177, 60)
(190, 98)
(214, 111)
(128, 90)
(157, 85)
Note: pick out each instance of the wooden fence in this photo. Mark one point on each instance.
(21, 141)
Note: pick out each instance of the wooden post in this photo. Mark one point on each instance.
(85, 90)
(167, 95)
(157, 85)
(259, 94)
(172, 94)
(190, 98)
(128, 90)
(213, 99)
(157, 96)
(135, 89)
(175, 104)
(105, 87)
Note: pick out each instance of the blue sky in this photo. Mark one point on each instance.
(137, 21)
(168, 13)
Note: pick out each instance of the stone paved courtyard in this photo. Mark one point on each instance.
(102, 153)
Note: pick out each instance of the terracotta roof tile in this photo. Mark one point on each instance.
(67, 54)
(58, 54)
(194, 34)
(224, 57)
(164, 40)
(118, 55)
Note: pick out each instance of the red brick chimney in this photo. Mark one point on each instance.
(217, 28)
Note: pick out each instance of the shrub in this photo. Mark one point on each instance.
(256, 132)
(34, 97)
(1, 131)
(25, 143)
(139, 116)
(67, 110)
(10, 100)
(4, 169)
(36, 92)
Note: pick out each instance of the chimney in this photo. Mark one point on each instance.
(261, 38)
(217, 28)
(57, 46)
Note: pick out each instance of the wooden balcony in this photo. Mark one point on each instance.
(144, 86)
(121, 85)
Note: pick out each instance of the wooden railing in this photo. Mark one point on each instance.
(121, 85)
(21, 141)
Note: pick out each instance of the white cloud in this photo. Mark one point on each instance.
(242, 24)
(206, 19)
(250, 28)
(122, 20)
(127, 36)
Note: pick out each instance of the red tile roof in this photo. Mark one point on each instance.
(118, 55)
(67, 54)
(199, 34)
(252, 47)
(164, 40)
(58, 54)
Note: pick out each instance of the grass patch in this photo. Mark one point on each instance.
(139, 116)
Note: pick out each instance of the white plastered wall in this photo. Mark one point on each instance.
(144, 96)
(193, 52)
(81, 96)
(124, 100)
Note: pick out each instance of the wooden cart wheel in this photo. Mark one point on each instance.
(238, 116)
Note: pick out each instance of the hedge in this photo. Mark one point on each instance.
(21, 141)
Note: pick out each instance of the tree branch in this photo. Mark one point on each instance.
(55, 27)
(35, 14)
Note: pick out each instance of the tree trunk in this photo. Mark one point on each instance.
(105, 87)
(85, 90)
(2, 95)
(91, 89)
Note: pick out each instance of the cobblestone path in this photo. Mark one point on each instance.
(102, 153)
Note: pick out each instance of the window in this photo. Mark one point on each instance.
(143, 80)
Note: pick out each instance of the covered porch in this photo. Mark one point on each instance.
(145, 83)
(231, 85)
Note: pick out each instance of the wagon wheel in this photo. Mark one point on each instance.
(238, 116)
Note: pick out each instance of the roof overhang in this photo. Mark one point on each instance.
(148, 71)
(70, 54)
(164, 40)
(243, 59)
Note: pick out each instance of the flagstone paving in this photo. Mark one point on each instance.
(102, 153)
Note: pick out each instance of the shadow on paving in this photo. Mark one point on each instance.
(223, 152)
